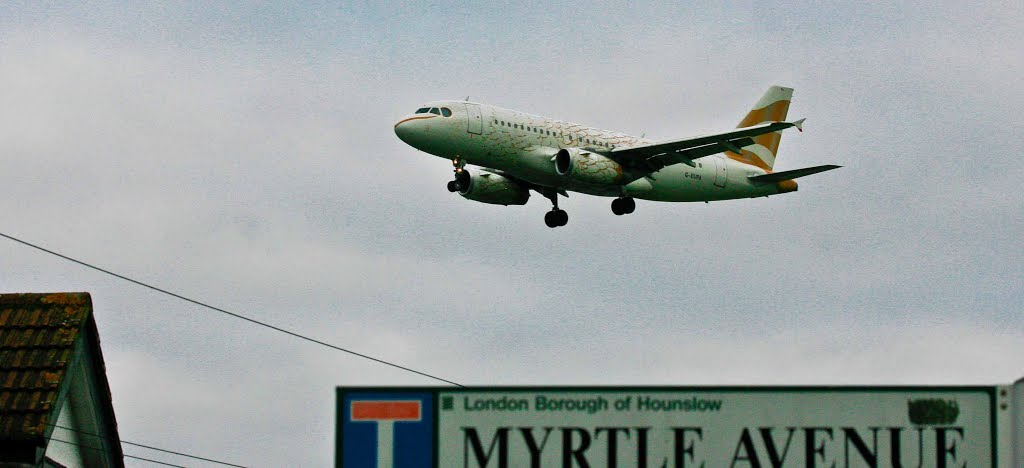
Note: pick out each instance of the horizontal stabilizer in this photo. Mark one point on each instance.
(787, 175)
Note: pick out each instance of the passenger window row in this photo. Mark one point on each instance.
(523, 127)
(547, 132)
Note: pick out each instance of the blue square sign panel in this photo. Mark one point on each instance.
(386, 430)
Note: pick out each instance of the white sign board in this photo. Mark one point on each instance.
(654, 427)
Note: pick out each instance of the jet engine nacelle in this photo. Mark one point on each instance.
(588, 167)
(488, 187)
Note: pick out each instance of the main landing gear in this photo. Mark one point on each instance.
(460, 182)
(556, 217)
(623, 205)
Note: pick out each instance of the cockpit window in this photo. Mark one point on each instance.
(446, 112)
(423, 110)
(434, 110)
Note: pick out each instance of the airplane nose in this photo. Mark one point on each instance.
(414, 130)
(405, 131)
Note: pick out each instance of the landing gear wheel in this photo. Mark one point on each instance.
(556, 218)
(617, 207)
(462, 181)
(563, 217)
(628, 205)
(624, 205)
(549, 219)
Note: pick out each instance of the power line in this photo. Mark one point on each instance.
(146, 446)
(108, 453)
(239, 316)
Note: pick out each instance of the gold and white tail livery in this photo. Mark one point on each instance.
(772, 107)
(501, 155)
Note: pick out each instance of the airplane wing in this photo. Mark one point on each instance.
(655, 156)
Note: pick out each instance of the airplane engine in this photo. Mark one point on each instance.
(584, 166)
(488, 187)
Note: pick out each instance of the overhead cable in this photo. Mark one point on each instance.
(146, 446)
(239, 316)
(108, 453)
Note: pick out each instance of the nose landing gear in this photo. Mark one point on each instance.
(460, 182)
(623, 205)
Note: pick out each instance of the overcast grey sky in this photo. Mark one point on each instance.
(243, 154)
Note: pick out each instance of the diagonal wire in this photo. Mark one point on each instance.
(218, 309)
(146, 446)
(108, 453)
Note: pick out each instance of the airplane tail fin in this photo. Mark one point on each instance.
(772, 107)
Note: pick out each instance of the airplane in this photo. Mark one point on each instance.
(512, 153)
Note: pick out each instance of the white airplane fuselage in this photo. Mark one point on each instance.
(522, 145)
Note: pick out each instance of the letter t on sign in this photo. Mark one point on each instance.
(385, 414)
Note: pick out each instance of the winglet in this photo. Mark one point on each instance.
(799, 124)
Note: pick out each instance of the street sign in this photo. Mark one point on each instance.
(675, 427)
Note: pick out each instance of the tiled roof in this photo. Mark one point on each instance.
(37, 337)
